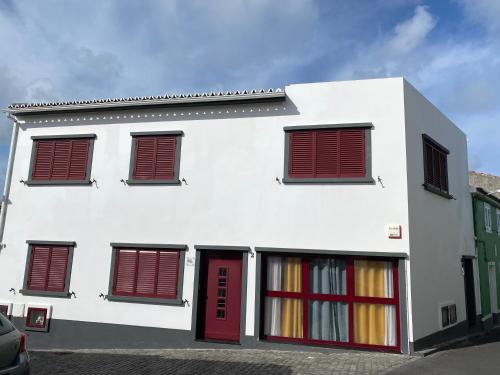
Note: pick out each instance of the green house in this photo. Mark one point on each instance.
(486, 209)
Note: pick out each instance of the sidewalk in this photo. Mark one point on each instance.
(186, 361)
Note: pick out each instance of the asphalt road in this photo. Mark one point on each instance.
(477, 356)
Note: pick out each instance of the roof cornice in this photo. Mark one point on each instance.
(148, 102)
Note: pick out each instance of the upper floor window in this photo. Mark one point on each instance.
(487, 218)
(61, 159)
(48, 268)
(155, 158)
(147, 274)
(435, 166)
(336, 153)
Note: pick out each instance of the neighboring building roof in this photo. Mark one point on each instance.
(147, 101)
(486, 182)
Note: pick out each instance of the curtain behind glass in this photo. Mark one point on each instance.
(374, 324)
(328, 320)
(284, 316)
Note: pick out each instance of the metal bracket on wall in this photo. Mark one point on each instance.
(22, 182)
(103, 296)
(186, 302)
(123, 182)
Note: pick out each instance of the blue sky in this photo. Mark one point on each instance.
(448, 49)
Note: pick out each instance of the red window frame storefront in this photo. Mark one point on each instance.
(349, 298)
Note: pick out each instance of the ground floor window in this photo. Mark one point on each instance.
(342, 300)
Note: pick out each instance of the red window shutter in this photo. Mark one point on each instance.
(301, 154)
(327, 153)
(165, 157)
(42, 163)
(352, 153)
(79, 159)
(168, 270)
(146, 272)
(429, 165)
(125, 271)
(144, 158)
(40, 257)
(61, 159)
(56, 278)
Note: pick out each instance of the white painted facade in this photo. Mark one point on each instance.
(231, 158)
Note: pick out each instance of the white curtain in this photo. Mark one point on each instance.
(272, 324)
(390, 310)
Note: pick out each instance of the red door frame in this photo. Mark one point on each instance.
(348, 298)
(225, 324)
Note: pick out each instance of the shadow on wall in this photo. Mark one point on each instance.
(48, 363)
(151, 115)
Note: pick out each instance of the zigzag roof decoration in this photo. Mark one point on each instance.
(206, 97)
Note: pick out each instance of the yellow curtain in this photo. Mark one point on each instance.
(369, 319)
(291, 309)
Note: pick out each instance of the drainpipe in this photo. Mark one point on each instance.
(8, 177)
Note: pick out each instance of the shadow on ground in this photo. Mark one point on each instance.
(55, 363)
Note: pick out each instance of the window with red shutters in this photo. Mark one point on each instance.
(148, 273)
(331, 153)
(61, 159)
(48, 266)
(155, 157)
(435, 166)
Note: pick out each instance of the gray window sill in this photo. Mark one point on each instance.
(152, 301)
(437, 191)
(57, 182)
(354, 180)
(44, 293)
(154, 182)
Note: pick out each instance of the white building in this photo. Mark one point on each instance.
(306, 215)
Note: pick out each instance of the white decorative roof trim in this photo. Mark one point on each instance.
(20, 108)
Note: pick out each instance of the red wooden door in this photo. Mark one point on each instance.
(223, 304)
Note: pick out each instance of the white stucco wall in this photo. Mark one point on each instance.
(441, 230)
(230, 158)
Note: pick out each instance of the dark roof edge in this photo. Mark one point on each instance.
(487, 196)
(146, 103)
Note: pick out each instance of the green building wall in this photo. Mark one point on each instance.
(488, 249)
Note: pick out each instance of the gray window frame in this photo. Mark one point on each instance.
(429, 187)
(86, 181)
(174, 181)
(367, 179)
(47, 293)
(178, 301)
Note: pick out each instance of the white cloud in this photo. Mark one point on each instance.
(484, 12)
(412, 32)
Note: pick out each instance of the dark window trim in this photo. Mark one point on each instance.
(289, 250)
(436, 143)
(202, 252)
(178, 301)
(219, 248)
(86, 181)
(367, 179)
(178, 142)
(435, 190)
(429, 187)
(64, 136)
(47, 293)
(28, 327)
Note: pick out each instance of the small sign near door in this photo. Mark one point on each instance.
(394, 231)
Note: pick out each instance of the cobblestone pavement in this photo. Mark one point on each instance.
(205, 361)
